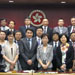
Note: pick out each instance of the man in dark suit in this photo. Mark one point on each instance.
(39, 32)
(47, 29)
(72, 43)
(27, 23)
(71, 28)
(11, 27)
(55, 43)
(18, 36)
(28, 48)
(4, 26)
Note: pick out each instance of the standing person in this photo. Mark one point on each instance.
(18, 36)
(2, 38)
(2, 42)
(72, 43)
(10, 53)
(47, 29)
(71, 28)
(27, 24)
(64, 54)
(11, 27)
(28, 49)
(61, 29)
(45, 54)
(39, 32)
(55, 43)
(4, 26)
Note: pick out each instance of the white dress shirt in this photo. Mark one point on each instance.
(4, 28)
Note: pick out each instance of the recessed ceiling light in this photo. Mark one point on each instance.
(11, 1)
(63, 2)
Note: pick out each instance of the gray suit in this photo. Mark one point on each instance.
(47, 56)
(63, 29)
(26, 54)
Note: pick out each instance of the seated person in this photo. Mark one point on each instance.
(64, 54)
(45, 54)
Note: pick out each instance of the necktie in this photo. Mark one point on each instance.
(45, 29)
(39, 41)
(60, 29)
(73, 29)
(55, 46)
(74, 49)
(29, 43)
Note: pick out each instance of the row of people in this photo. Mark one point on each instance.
(45, 26)
(32, 53)
(37, 38)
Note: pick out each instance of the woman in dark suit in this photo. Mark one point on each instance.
(64, 54)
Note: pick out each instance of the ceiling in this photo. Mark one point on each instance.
(37, 1)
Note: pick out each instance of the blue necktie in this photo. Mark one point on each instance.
(29, 41)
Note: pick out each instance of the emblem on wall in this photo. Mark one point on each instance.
(36, 17)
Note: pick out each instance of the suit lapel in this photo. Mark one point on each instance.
(58, 30)
(26, 44)
(33, 44)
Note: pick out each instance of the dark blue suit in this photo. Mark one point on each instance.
(23, 30)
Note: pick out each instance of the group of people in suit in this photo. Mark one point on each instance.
(38, 48)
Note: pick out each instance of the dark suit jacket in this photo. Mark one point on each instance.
(51, 43)
(26, 53)
(23, 30)
(7, 31)
(69, 30)
(49, 32)
(0, 54)
(69, 57)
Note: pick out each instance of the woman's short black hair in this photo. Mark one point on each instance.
(65, 36)
(10, 33)
(43, 35)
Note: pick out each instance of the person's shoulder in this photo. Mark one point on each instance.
(7, 27)
(40, 46)
(21, 27)
(65, 27)
(69, 26)
(23, 39)
(55, 27)
(49, 45)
